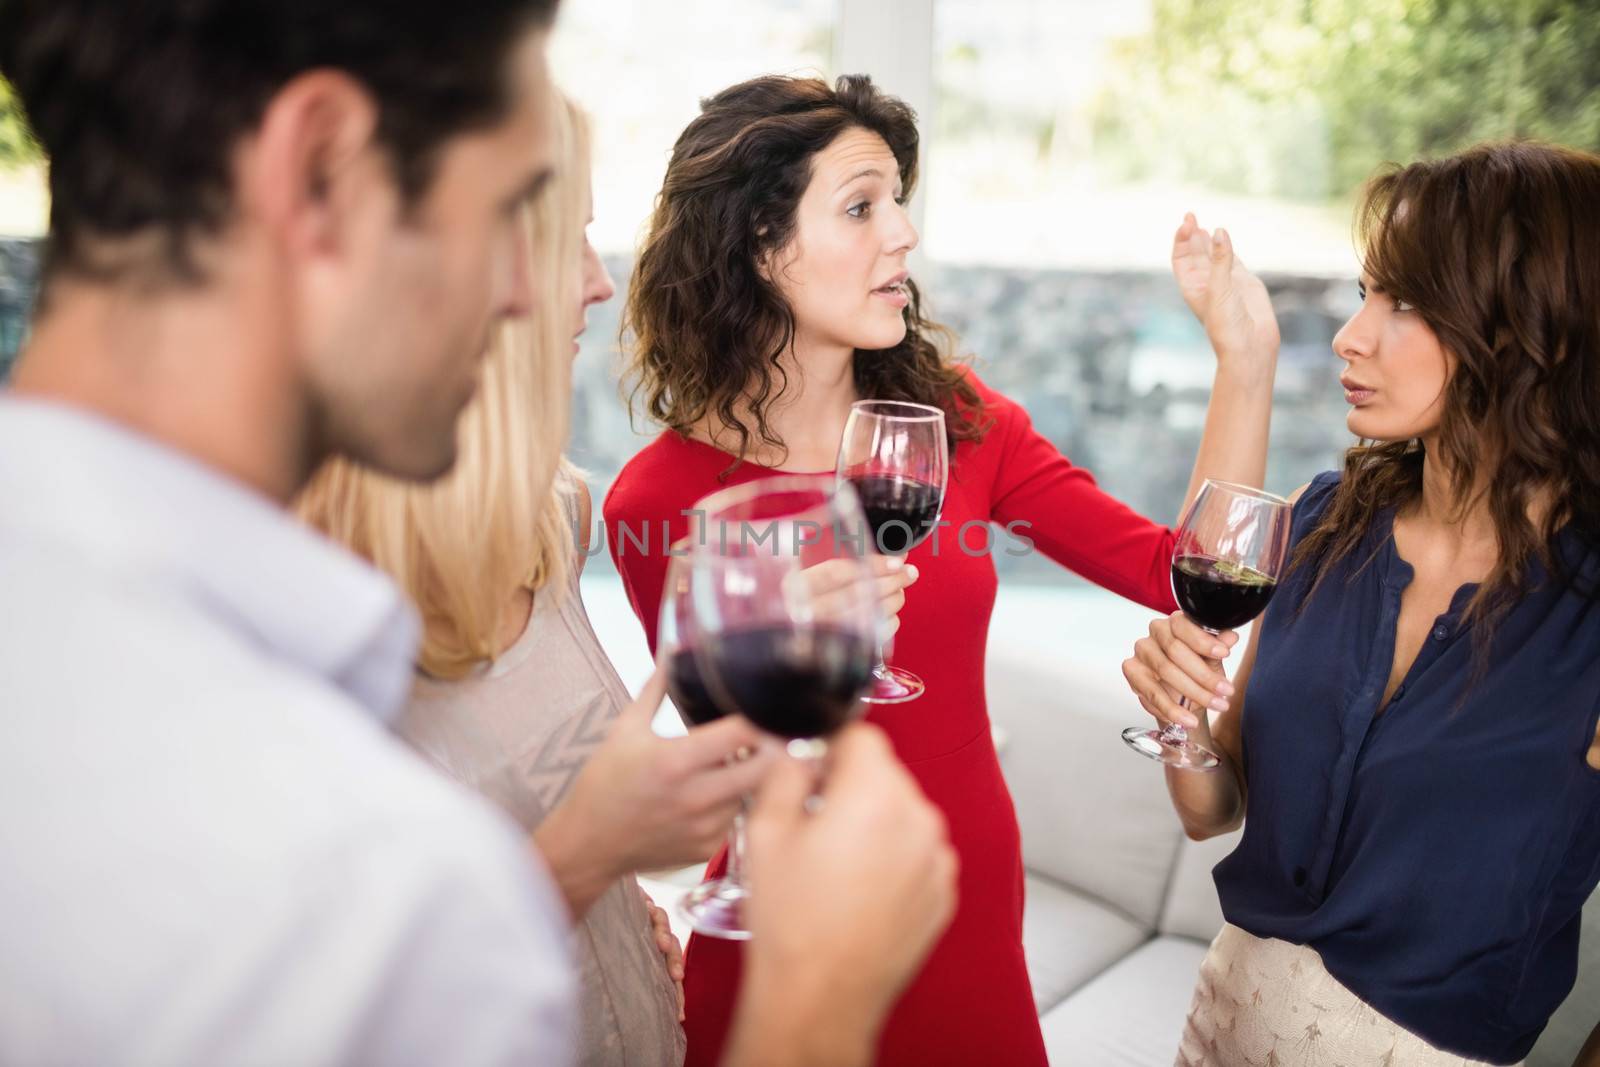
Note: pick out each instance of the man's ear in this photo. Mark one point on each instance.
(312, 161)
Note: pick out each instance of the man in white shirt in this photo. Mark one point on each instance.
(282, 229)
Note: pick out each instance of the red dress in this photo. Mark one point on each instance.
(972, 1005)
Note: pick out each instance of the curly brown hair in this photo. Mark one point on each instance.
(708, 329)
(1498, 249)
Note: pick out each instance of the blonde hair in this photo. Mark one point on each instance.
(498, 522)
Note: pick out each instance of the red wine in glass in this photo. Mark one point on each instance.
(688, 690)
(786, 606)
(897, 458)
(1233, 544)
(900, 511)
(715, 907)
(784, 609)
(794, 683)
(1218, 594)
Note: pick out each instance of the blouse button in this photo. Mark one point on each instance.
(1441, 632)
(1398, 693)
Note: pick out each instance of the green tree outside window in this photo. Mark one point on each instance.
(16, 143)
(1304, 99)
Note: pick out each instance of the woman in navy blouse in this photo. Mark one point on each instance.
(1420, 760)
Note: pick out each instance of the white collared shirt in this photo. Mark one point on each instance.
(211, 850)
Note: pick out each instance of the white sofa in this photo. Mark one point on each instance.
(1121, 906)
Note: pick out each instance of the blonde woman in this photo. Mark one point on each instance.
(513, 694)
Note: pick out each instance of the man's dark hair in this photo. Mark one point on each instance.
(139, 104)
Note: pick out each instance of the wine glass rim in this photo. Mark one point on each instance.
(925, 412)
(825, 485)
(1247, 490)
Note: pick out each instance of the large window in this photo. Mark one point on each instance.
(1069, 133)
(1063, 140)
(22, 191)
(23, 208)
(1068, 138)
(641, 67)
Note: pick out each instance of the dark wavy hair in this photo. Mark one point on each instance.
(707, 328)
(1498, 249)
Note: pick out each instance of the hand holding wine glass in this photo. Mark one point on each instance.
(1232, 548)
(892, 576)
(896, 456)
(1177, 669)
(643, 801)
(848, 901)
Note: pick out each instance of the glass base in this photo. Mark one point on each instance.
(891, 685)
(716, 909)
(1174, 752)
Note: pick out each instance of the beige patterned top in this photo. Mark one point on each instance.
(518, 731)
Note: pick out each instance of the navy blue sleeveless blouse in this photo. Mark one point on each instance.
(1438, 856)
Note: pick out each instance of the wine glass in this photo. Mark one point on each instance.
(784, 606)
(897, 458)
(714, 907)
(1232, 546)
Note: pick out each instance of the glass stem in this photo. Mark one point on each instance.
(735, 870)
(1175, 733)
(882, 666)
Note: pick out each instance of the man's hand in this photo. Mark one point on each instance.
(844, 904)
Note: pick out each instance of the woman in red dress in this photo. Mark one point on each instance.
(769, 295)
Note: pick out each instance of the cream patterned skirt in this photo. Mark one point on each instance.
(1268, 1003)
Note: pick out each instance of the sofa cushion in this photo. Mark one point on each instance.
(1094, 815)
(1069, 938)
(1133, 1014)
(1192, 908)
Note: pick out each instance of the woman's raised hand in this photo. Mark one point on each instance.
(1230, 302)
